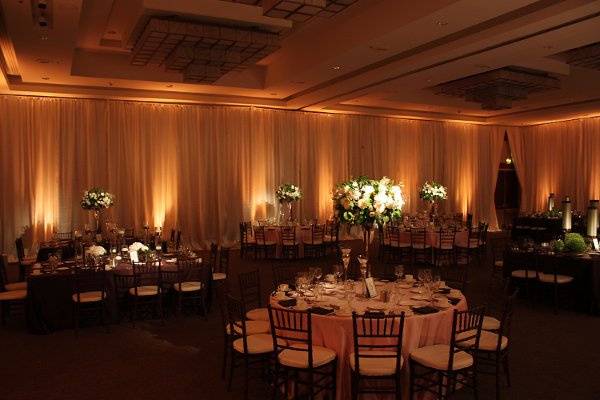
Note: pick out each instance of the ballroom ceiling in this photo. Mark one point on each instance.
(378, 57)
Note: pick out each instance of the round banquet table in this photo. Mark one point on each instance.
(336, 333)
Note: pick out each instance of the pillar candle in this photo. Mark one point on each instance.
(567, 214)
(551, 202)
(592, 219)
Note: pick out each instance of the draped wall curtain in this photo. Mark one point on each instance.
(561, 158)
(205, 168)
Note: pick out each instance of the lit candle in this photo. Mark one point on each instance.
(567, 214)
(551, 202)
(592, 219)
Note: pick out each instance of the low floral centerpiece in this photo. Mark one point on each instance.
(433, 192)
(96, 251)
(139, 247)
(97, 200)
(287, 193)
(368, 202)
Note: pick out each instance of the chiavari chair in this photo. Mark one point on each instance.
(332, 234)
(4, 277)
(24, 262)
(90, 295)
(398, 248)
(315, 246)
(456, 275)
(438, 369)
(548, 277)
(496, 294)
(190, 284)
(377, 353)
(264, 247)
(62, 235)
(289, 244)
(247, 241)
(476, 243)
(498, 246)
(246, 348)
(312, 368)
(252, 296)
(9, 299)
(527, 273)
(444, 247)
(147, 290)
(284, 274)
(492, 352)
(419, 248)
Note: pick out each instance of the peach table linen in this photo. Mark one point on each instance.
(336, 333)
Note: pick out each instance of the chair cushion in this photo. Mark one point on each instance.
(250, 240)
(560, 279)
(13, 295)
(16, 286)
(299, 359)
(88, 297)
(443, 247)
(189, 286)
(490, 323)
(267, 243)
(144, 291)
(260, 343)
(289, 243)
(376, 366)
(437, 356)
(258, 314)
(523, 274)
(329, 238)
(252, 328)
(487, 341)
(219, 276)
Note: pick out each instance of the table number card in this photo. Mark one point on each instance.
(133, 256)
(371, 290)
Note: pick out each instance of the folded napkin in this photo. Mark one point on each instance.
(321, 310)
(425, 310)
(288, 303)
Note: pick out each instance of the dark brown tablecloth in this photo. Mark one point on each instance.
(49, 305)
(584, 269)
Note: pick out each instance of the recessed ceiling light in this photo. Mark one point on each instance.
(336, 67)
(46, 78)
(441, 22)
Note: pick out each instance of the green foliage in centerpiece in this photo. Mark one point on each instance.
(575, 243)
(365, 201)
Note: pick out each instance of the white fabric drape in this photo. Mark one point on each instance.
(561, 158)
(205, 168)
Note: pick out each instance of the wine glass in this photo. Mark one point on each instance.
(318, 274)
(362, 260)
(337, 272)
(399, 272)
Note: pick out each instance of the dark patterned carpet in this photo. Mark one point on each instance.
(552, 356)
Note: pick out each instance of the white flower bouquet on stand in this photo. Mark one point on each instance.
(433, 192)
(97, 200)
(368, 202)
(287, 194)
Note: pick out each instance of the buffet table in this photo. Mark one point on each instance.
(335, 331)
(584, 268)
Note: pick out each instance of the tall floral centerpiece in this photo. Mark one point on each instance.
(433, 192)
(287, 194)
(366, 202)
(97, 200)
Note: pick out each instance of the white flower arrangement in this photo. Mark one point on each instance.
(433, 191)
(97, 199)
(288, 192)
(139, 247)
(96, 251)
(365, 201)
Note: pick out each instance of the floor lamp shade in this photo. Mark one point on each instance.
(567, 214)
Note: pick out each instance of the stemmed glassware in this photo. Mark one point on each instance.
(346, 261)
(337, 272)
(362, 260)
(399, 272)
